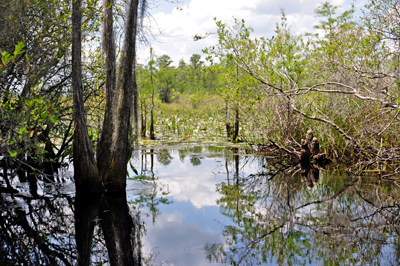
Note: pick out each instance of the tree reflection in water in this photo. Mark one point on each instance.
(36, 230)
(40, 230)
(121, 230)
(285, 217)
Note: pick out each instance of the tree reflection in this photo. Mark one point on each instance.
(121, 230)
(164, 157)
(36, 230)
(39, 230)
(297, 216)
(152, 199)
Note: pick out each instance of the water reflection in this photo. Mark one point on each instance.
(309, 174)
(223, 207)
(36, 230)
(63, 229)
(121, 230)
(278, 220)
(164, 157)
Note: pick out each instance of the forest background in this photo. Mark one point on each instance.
(342, 83)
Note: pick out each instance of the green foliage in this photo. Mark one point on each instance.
(28, 126)
(287, 84)
(35, 107)
(279, 86)
(7, 58)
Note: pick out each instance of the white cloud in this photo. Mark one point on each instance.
(196, 17)
(184, 182)
(197, 186)
(177, 243)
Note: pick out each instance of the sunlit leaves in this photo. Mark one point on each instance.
(7, 58)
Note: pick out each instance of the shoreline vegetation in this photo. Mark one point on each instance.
(263, 93)
(283, 106)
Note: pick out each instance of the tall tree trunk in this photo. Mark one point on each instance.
(134, 130)
(152, 135)
(104, 149)
(85, 170)
(143, 119)
(236, 128)
(227, 123)
(115, 178)
(236, 132)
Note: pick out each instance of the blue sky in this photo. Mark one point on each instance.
(179, 25)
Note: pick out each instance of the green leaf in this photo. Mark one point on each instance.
(30, 103)
(12, 153)
(18, 48)
(52, 119)
(134, 169)
(5, 57)
(22, 130)
(39, 100)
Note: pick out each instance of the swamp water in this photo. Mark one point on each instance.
(202, 205)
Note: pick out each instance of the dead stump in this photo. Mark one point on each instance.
(310, 152)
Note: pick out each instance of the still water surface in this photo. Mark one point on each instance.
(202, 205)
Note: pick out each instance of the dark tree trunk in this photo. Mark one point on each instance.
(143, 119)
(104, 150)
(115, 178)
(85, 170)
(152, 135)
(121, 96)
(227, 123)
(236, 132)
(236, 129)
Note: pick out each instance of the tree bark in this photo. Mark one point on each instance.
(227, 123)
(104, 150)
(143, 116)
(152, 135)
(236, 132)
(121, 96)
(115, 178)
(85, 170)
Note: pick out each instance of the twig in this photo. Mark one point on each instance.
(391, 122)
(282, 148)
(44, 175)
